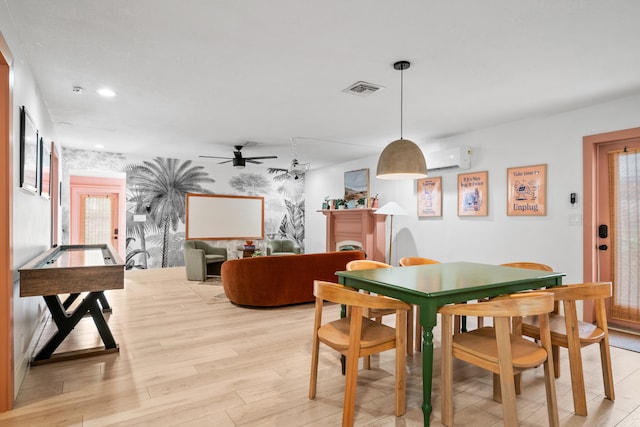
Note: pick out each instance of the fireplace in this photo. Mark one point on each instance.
(356, 227)
(349, 245)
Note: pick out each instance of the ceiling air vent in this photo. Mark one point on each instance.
(362, 88)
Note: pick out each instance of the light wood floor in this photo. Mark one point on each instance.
(185, 361)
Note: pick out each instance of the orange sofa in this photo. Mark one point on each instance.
(272, 281)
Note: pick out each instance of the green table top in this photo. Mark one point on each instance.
(446, 278)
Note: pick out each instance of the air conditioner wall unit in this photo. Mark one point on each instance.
(450, 159)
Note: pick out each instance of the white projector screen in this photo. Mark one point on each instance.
(221, 217)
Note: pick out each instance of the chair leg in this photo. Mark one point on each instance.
(418, 330)
(401, 366)
(607, 375)
(313, 381)
(457, 324)
(507, 385)
(446, 376)
(348, 411)
(410, 332)
(497, 390)
(549, 378)
(575, 360)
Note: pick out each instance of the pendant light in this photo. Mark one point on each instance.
(402, 158)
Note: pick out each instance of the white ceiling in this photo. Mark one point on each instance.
(199, 76)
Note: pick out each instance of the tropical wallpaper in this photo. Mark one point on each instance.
(156, 191)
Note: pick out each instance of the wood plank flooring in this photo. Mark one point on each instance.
(186, 361)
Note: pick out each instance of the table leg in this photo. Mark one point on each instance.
(70, 299)
(427, 370)
(66, 322)
(106, 308)
(102, 326)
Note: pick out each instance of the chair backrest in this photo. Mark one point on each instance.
(582, 291)
(340, 294)
(416, 260)
(197, 244)
(365, 264)
(528, 265)
(596, 292)
(282, 245)
(512, 305)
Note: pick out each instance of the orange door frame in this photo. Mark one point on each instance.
(6, 267)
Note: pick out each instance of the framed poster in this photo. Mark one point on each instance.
(28, 153)
(430, 197)
(356, 184)
(527, 190)
(45, 169)
(473, 192)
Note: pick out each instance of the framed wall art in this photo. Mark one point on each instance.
(45, 169)
(356, 184)
(28, 153)
(527, 190)
(429, 197)
(473, 194)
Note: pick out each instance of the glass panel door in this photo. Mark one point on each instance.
(624, 204)
(97, 218)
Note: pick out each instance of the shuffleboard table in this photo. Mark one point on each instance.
(73, 270)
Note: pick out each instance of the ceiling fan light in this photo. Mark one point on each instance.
(401, 159)
(239, 163)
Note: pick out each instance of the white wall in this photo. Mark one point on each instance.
(555, 140)
(31, 213)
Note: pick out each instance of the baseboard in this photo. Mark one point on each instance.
(624, 330)
(22, 365)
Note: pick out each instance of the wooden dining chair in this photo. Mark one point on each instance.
(499, 351)
(525, 265)
(516, 321)
(573, 334)
(528, 265)
(356, 336)
(416, 260)
(377, 314)
(405, 262)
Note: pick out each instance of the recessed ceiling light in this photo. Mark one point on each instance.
(106, 92)
(78, 89)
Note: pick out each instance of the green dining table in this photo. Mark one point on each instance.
(434, 285)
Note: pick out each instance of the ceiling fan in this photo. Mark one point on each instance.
(238, 160)
(296, 169)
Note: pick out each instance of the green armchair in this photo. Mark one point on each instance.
(282, 247)
(202, 259)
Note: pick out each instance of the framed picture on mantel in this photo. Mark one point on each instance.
(356, 185)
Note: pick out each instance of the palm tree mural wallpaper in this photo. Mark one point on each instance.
(156, 197)
(160, 188)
